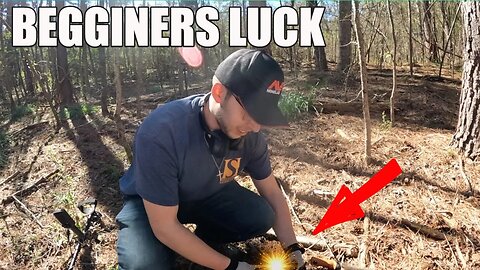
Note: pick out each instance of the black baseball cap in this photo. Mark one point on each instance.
(257, 80)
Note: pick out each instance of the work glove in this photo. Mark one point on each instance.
(236, 265)
(295, 252)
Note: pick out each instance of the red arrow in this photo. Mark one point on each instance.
(346, 205)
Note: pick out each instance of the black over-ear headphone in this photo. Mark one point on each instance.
(218, 142)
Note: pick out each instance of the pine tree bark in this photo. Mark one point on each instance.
(344, 35)
(467, 135)
(64, 84)
(321, 58)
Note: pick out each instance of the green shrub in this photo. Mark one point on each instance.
(78, 111)
(22, 110)
(386, 123)
(293, 104)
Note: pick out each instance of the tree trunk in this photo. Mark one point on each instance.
(19, 97)
(467, 135)
(41, 80)
(9, 5)
(52, 56)
(64, 85)
(118, 108)
(85, 84)
(161, 75)
(207, 59)
(374, 34)
(419, 7)
(65, 88)
(20, 79)
(13, 105)
(344, 35)
(319, 52)
(321, 59)
(449, 35)
(382, 57)
(1, 27)
(102, 67)
(102, 70)
(364, 83)
(118, 83)
(137, 62)
(30, 88)
(445, 23)
(309, 55)
(429, 32)
(410, 38)
(394, 71)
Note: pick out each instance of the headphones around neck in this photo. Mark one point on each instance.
(218, 142)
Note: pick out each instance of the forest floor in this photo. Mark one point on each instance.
(427, 218)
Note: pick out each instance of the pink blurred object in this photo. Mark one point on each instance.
(192, 56)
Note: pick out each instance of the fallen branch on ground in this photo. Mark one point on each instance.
(10, 178)
(28, 211)
(425, 230)
(28, 189)
(322, 192)
(362, 254)
(290, 205)
(460, 255)
(32, 126)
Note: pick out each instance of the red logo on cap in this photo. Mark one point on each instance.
(275, 88)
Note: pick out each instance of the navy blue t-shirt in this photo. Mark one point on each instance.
(172, 162)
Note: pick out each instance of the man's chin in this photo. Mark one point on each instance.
(233, 133)
(234, 136)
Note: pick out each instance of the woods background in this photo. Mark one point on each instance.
(404, 71)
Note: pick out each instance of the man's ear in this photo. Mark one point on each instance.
(218, 92)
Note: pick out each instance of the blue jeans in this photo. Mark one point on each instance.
(232, 214)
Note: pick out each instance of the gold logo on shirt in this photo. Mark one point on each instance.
(230, 169)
